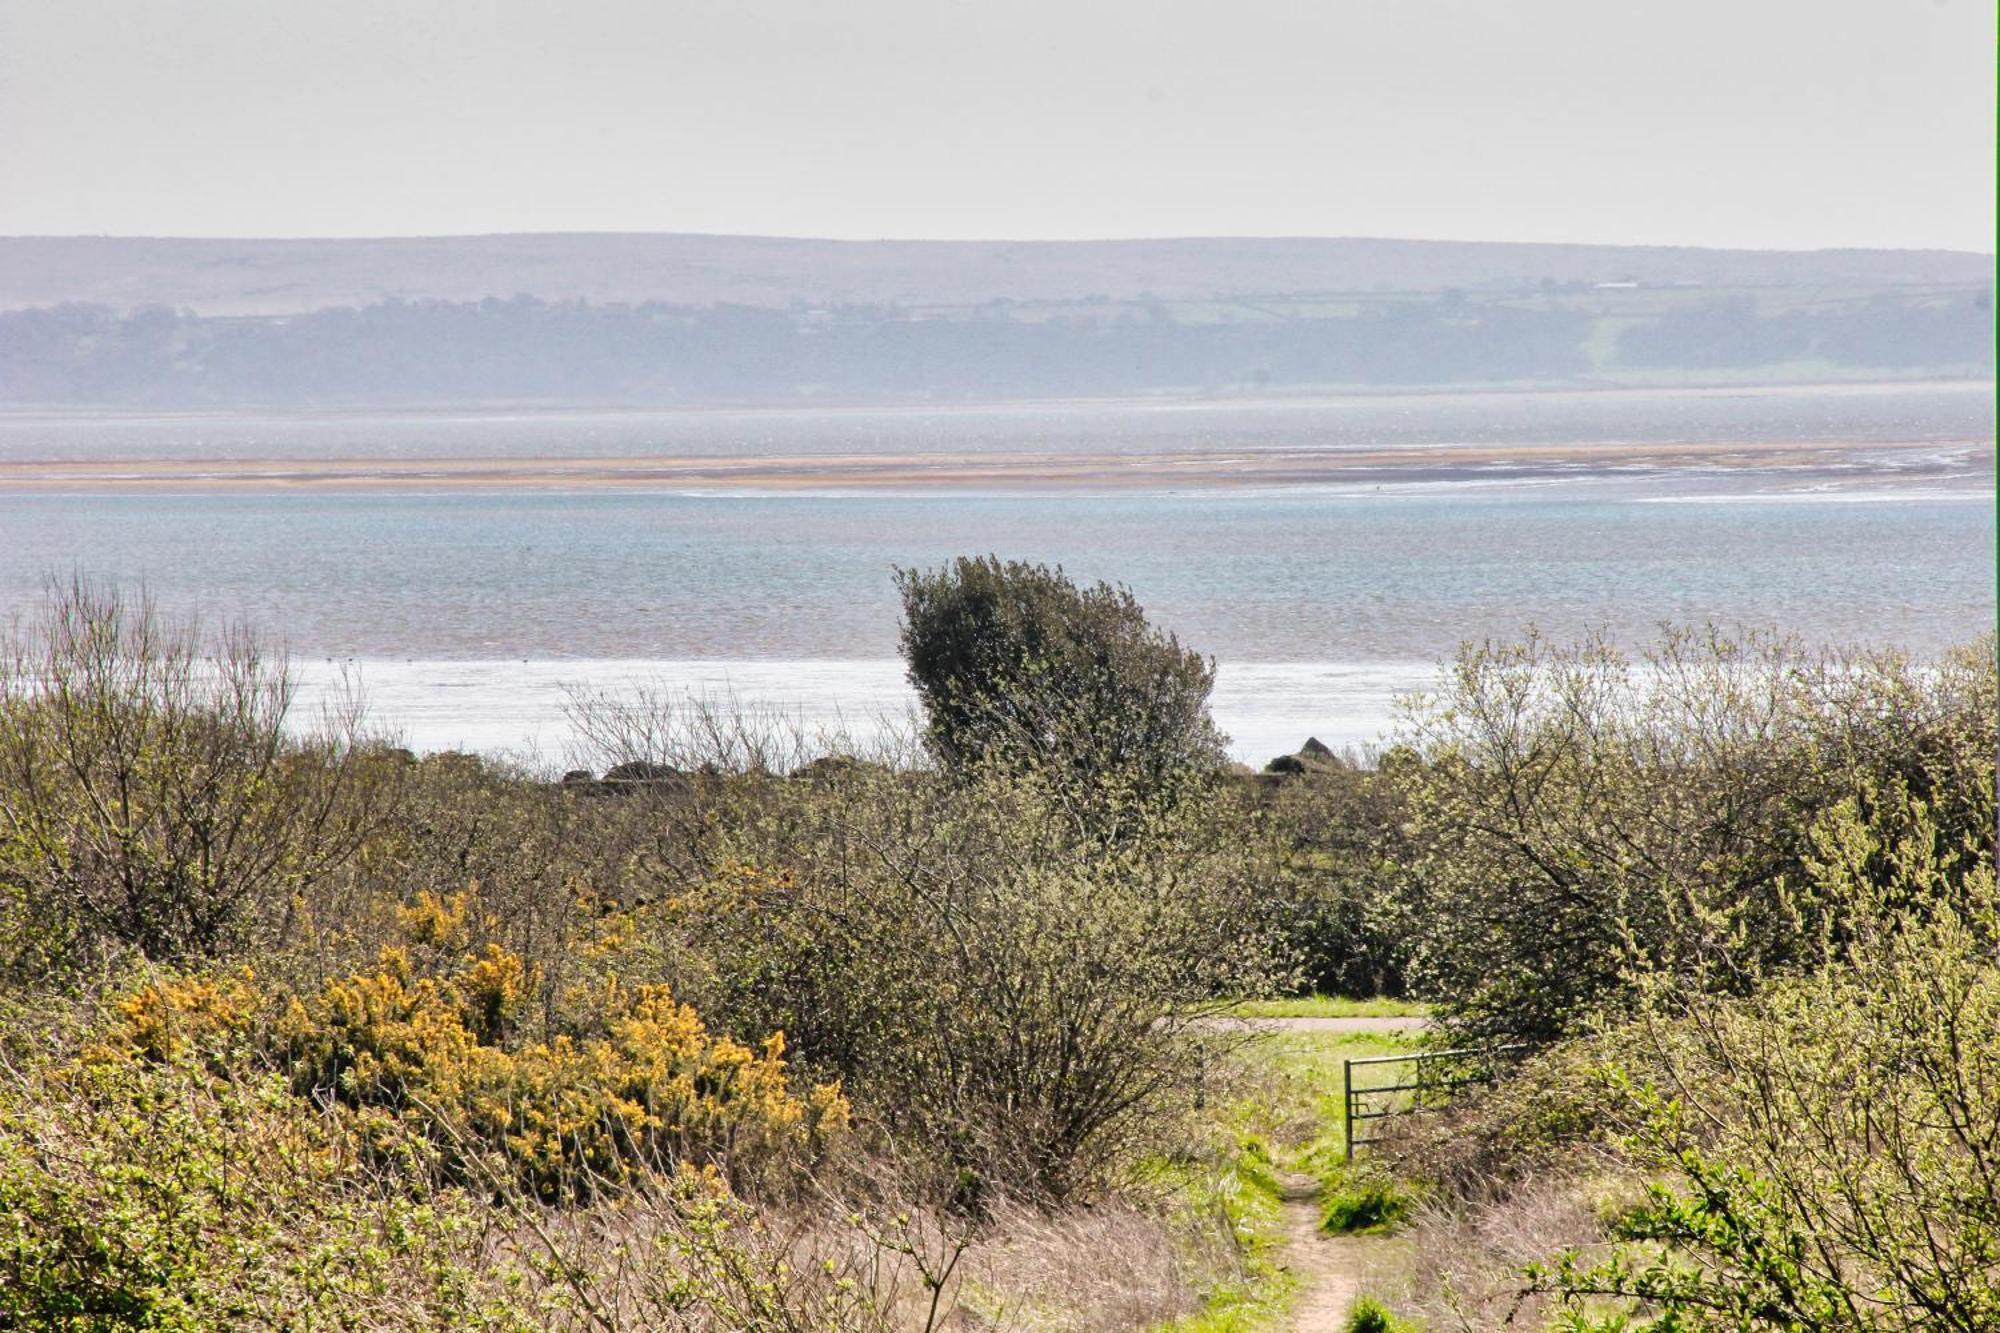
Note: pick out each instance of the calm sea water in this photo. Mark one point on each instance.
(470, 611)
(1943, 412)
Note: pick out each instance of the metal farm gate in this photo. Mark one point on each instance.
(1424, 1083)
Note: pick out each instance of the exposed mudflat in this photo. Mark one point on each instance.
(1831, 462)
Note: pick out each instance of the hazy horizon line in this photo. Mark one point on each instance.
(787, 238)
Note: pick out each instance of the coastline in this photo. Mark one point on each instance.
(518, 707)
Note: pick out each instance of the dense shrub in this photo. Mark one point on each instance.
(1340, 831)
(1576, 818)
(1823, 1154)
(1004, 991)
(156, 1195)
(1016, 664)
(1813, 1147)
(1552, 1115)
(635, 1083)
(193, 1192)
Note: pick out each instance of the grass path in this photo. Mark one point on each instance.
(1284, 1135)
(1329, 1269)
(1328, 1006)
(1329, 1278)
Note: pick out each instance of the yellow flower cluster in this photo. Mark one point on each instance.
(170, 1017)
(436, 921)
(639, 1083)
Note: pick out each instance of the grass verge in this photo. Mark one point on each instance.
(1245, 1193)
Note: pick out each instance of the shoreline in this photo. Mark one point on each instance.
(518, 707)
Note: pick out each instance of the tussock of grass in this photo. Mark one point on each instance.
(1371, 1316)
(1244, 1308)
(1363, 1203)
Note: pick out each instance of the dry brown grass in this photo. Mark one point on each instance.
(640, 1263)
(1462, 1259)
(1109, 1267)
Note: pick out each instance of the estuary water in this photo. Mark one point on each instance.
(469, 608)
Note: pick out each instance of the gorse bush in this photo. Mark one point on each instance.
(192, 1193)
(646, 1085)
(636, 1083)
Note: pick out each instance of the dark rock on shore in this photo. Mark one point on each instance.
(641, 771)
(828, 767)
(1315, 756)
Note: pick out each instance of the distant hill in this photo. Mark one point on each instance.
(653, 320)
(274, 277)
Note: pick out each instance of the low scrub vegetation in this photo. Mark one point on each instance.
(738, 1031)
(1577, 819)
(717, 1040)
(1773, 1103)
(635, 1081)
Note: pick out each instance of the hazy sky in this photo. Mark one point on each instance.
(1712, 122)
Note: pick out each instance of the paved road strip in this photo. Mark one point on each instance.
(1359, 1023)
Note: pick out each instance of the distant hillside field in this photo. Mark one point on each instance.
(673, 320)
(267, 277)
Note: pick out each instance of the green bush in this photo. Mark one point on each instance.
(1576, 819)
(161, 1196)
(152, 797)
(1001, 989)
(1015, 664)
(1371, 1316)
(1341, 826)
(1823, 1154)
